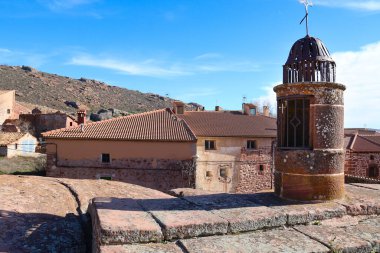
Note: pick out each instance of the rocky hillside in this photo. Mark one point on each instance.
(66, 94)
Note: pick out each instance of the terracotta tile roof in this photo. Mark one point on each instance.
(366, 143)
(159, 125)
(9, 137)
(229, 124)
(20, 109)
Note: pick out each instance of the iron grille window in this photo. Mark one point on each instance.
(209, 145)
(293, 123)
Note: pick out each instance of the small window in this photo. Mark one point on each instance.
(372, 157)
(106, 178)
(261, 167)
(9, 111)
(106, 158)
(223, 172)
(71, 123)
(252, 111)
(251, 144)
(208, 174)
(210, 145)
(16, 146)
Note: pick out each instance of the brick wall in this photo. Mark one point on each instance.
(357, 164)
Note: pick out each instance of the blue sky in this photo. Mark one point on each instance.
(206, 51)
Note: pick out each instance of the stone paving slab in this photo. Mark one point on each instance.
(361, 201)
(241, 214)
(142, 248)
(182, 219)
(86, 190)
(276, 241)
(120, 221)
(298, 212)
(368, 230)
(341, 239)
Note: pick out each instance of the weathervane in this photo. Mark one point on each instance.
(307, 3)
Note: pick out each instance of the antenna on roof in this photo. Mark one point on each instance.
(307, 3)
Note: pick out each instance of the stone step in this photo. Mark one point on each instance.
(332, 237)
(169, 219)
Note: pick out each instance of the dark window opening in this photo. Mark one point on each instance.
(293, 123)
(9, 111)
(251, 144)
(223, 172)
(208, 174)
(106, 178)
(261, 168)
(71, 123)
(106, 158)
(210, 145)
(16, 146)
(373, 171)
(372, 157)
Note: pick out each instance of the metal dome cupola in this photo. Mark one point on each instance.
(309, 61)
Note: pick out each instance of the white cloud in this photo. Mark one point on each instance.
(268, 98)
(360, 72)
(364, 5)
(155, 68)
(208, 56)
(144, 68)
(65, 4)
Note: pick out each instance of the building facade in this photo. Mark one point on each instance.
(167, 149)
(153, 149)
(17, 144)
(7, 105)
(362, 154)
(234, 149)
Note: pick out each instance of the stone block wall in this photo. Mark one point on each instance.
(175, 174)
(357, 164)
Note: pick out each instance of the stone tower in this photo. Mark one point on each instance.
(309, 159)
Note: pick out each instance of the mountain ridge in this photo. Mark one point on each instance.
(67, 94)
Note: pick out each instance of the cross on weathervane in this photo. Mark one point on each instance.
(307, 3)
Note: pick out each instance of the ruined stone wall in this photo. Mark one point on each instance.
(357, 164)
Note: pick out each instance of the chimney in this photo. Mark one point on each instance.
(218, 108)
(266, 111)
(178, 107)
(81, 117)
(249, 109)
